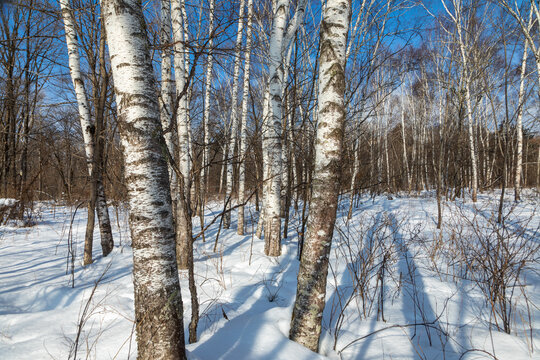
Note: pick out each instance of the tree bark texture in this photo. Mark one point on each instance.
(519, 126)
(183, 237)
(243, 127)
(158, 302)
(167, 91)
(311, 290)
(272, 133)
(234, 117)
(97, 192)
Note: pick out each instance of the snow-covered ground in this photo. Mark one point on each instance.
(397, 287)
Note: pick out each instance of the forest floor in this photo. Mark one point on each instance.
(398, 288)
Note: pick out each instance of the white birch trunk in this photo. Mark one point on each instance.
(190, 190)
(279, 44)
(293, 156)
(223, 170)
(183, 240)
(182, 115)
(243, 128)
(265, 185)
(513, 8)
(167, 91)
(472, 146)
(158, 303)
(356, 167)
(80, 93)
(272, 133)
(311, 290)
(208, 82)
(519, 126)
(285, 142)
(97, 200)
(234, 117)
(404, 141)
(458, 21)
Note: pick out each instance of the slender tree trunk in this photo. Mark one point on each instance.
(356, 166)
(9, 128)
(25, 129)
(279, 43)
(519, 126)
(243, 128)
(167, 94)
(272, 133)
(526, 164)
(91, 135)
(440, 160)
(184, 239)
(223, 170)
(234, 117)
(206, 150)
(404, 141)
(294, 180)
(505, 170)
(285, 186)
(468, 97)
(90, 224)
(158, 302)
(87, 127)
(107, 243)
(311, 290)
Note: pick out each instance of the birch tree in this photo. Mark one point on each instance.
(97, 193)
(270, 218)
(516, 9)
(167, 92)
(404, 141)
(311, 289)
(206, 131)
(234, 117)
(243, 122)
(281, 37)
(464, 43)
(158, 302)
(519, 121)
(184, 239)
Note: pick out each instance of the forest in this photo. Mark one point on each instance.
(284, 179)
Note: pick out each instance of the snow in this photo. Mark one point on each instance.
(246, 298)
(8, 202)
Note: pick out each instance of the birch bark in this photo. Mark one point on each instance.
(404, 141)
(462, 44)
(206, 115)
(311, 290)
(184, 238)
(100, 100)
(97, 196)
(167, 92)
(272, 134)
(356, 166)
(243, 127)
(158, 303)
(78, 84)
(280, 40)
(234, 117)
(514, 8)
(519, 125)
